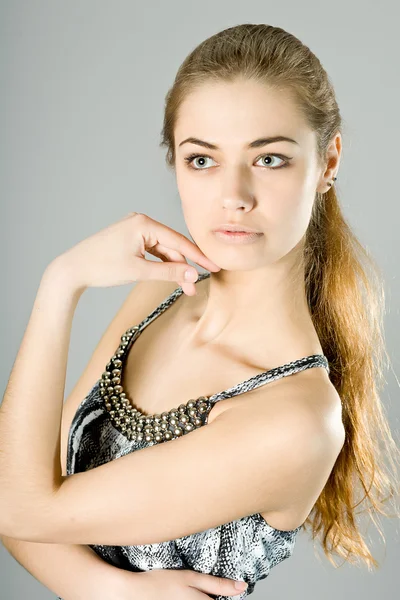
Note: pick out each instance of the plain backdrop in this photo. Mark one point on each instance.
(82, 95)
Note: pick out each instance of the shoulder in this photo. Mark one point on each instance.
(319, 399)
(301, 420)
(145, 296)
(307, 398)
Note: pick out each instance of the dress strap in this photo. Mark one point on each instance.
(167, 303)
(295, 366)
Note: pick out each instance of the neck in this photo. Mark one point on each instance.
(265, 309)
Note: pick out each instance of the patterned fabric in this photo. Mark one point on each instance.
(244, 549)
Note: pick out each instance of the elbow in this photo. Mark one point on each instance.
(23, 524)
(10, 528)
(21, 530)
(8, 518)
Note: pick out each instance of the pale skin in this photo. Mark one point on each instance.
(234, 186)
(285, 455)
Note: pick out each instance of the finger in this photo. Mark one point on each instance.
(166, 255)
(220, 586)
(167, 271)
(177, 241)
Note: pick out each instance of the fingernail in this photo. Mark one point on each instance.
(191, 275)
(240, 585)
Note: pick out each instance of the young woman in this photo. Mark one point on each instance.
(259, 437)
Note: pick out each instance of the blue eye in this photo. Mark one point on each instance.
(283, 158)
(189, 160)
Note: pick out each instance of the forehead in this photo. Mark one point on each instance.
(237, 112)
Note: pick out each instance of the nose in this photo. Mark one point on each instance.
(236, 191)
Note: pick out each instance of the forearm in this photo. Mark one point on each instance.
(30, 414)
(72, 572)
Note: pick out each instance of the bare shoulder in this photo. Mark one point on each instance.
(144, 298)
(302, 416)
(312, 394)
(321, 398)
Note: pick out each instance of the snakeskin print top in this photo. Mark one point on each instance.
(245, 549)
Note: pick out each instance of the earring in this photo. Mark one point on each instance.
(331, 183)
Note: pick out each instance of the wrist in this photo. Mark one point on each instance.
(61, 274)
(118, 583)
(105, 581)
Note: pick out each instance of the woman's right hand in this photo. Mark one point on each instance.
(174, 584)
(116, 255)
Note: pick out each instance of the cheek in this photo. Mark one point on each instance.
(292, 199)
(193, 209)
(197, 203)
(291, 222)
(198, 218)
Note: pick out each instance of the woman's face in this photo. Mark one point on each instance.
(269, 187)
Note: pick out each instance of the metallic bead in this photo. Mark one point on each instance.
(129, 420)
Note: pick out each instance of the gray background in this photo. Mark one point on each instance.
(82, 95)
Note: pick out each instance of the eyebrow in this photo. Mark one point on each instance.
(256, 144)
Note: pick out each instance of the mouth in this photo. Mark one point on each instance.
(238, 236)
(228, 232)
(236, 229)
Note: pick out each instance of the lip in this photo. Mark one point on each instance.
(230, 227)
(238, 237)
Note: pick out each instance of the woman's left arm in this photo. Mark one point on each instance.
(277, 463)
(31, 410)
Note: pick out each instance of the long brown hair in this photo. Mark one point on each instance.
(344, 285)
